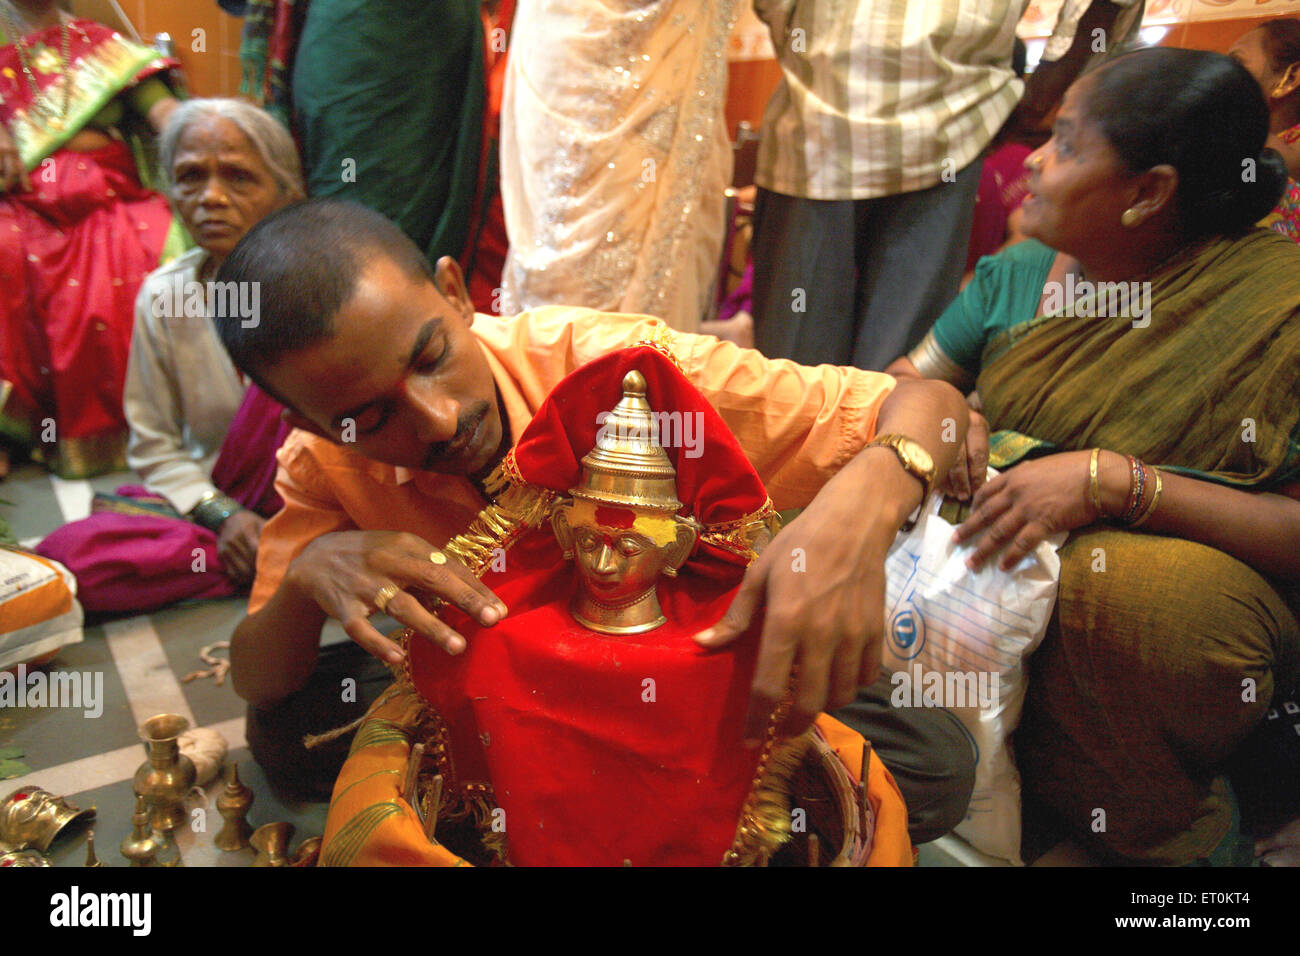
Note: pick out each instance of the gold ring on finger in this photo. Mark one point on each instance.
(383, 596)
(437, 557)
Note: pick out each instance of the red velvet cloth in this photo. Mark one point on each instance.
(600, 749)
(607, 748)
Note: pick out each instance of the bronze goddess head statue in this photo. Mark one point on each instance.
(32, 817)
(621, 525)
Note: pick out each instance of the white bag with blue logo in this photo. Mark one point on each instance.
(959, 638)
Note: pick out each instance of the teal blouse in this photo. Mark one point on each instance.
(1004, 291)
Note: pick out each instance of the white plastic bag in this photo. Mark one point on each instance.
(959, 638)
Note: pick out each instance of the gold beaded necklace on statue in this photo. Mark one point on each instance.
(42, 105)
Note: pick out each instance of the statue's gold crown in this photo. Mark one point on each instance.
(628, 468)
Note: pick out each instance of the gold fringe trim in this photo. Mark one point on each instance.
(663, 340)
(764, 825)
(517, 507)
(766, 818)
(745, 536)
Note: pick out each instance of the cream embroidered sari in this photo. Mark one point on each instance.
(614, 155)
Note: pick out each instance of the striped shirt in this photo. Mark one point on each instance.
(884, 96)
(881, 97)
(1126, 25)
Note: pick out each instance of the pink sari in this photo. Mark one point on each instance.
(136, 554)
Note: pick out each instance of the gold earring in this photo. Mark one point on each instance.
(1130, 217)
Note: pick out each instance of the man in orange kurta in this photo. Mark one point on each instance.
(404, 400)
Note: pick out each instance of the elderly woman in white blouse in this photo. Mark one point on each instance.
(201, 438)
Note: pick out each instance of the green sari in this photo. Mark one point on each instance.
(388, 100)
(1210, 388)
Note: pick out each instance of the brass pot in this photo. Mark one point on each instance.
(167, 776)
(271, 841)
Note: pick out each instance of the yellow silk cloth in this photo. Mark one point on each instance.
(371, 824)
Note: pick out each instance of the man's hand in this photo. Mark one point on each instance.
(822, 581)
(345, 572)
(237, 545)
(970, 472)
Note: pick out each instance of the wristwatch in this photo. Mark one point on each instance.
(917, 461)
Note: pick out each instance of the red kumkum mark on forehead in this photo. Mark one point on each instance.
(620, 518)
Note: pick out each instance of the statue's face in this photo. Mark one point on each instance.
(616, 564)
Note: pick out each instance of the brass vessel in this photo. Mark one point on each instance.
(141, 847)
(308, 852)
(92, 860)
(167, 776)
(271, 841)
(233, 806)
(168, 852)
(23, 858)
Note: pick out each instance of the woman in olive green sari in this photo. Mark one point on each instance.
(1139, 364)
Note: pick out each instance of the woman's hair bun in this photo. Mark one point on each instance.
(1203, 114)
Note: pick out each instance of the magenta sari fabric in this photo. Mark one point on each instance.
(1004, 183)
(134, 553)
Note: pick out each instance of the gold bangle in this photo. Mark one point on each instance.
(1094, 486)
(1150, 509)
